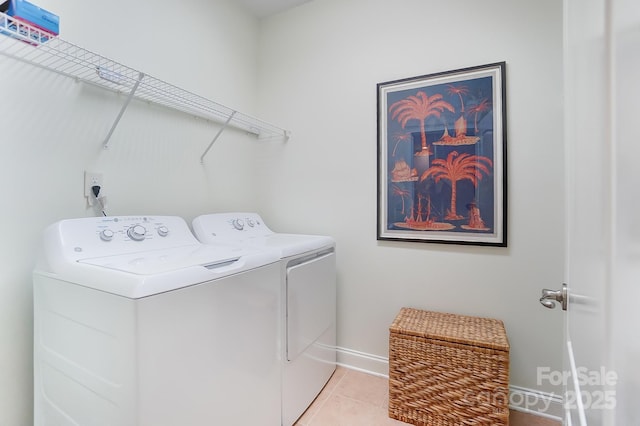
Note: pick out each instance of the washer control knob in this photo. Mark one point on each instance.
(238, 224)
(136, 232)
(251, 223)
(106, 235)
(163, 231)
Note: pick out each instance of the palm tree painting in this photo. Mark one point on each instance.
(400, 137)
(419, 107)
(441, 157)
(402, 193)
(460, 124)
(455, 168)
(483, 106)
(458, 90)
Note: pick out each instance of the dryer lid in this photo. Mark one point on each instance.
(288, 245)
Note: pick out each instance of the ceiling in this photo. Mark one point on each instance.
(263, 8)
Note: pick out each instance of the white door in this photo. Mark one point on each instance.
(602, 106)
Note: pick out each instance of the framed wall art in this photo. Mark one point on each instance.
(442, 144)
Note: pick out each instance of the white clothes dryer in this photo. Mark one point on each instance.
(136, 323)
(308, 279)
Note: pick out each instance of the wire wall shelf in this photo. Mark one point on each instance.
(39, 48)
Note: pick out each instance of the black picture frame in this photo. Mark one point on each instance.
(442, 157)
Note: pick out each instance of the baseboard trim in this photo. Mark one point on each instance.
(361, 361)
(530, 401)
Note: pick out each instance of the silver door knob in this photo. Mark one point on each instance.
(550, 297)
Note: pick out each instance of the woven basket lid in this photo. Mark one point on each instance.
(483, 332)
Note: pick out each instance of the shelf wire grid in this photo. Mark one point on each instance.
(39, 48)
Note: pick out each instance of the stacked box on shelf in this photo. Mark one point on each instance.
(28, 22)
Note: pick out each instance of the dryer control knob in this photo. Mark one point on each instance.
(136, 232)
(163, 231)
(250, 222)
(106, 235)
(238, 224)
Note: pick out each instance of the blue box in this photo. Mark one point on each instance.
(31, 14)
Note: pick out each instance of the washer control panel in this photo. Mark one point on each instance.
(104, 236)
(133, 228)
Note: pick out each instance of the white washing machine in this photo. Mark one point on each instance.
(308, 279)
(139, 324)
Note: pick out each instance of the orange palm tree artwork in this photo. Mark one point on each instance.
(458, 90)
(402, 193)
(400, 137)
(482, 106)
(455, 168)
(461, 123)
(419, 107)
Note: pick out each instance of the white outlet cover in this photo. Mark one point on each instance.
(91, 179)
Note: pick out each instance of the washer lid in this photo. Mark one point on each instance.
(165, 260)
(138, 256)
(147, 273)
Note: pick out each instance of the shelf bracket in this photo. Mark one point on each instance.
(224, 126)
(105, 144)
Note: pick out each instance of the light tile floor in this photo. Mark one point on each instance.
(353, 398)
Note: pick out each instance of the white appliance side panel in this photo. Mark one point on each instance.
(304, 378)
(84, 347)
(311, 302)
(209, 354)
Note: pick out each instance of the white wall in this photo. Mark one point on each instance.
(52, 130)
(319, 65)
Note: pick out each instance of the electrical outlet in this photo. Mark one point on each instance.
(91, 179)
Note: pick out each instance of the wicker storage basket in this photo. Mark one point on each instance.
(448, 370)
